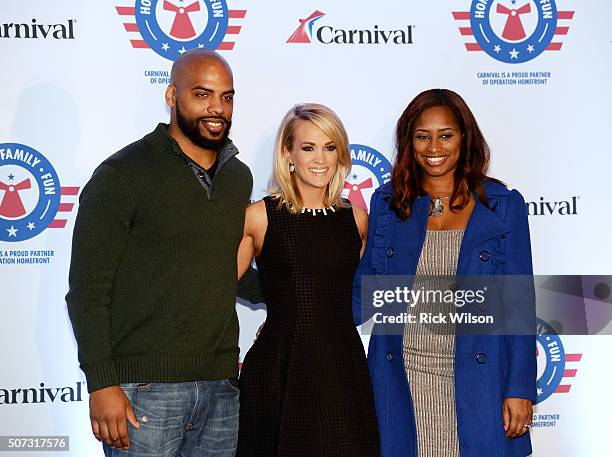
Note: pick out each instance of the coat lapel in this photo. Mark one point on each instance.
(408, 237)
(482, 226)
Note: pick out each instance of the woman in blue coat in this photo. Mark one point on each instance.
(442, 394)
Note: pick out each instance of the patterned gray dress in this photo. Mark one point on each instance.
(429, 350)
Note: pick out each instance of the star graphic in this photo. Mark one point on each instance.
(540, 391)
(514, 2)
(530, 48)
(497, 48)
(514, 54)
(31, 226)
(354, 176)
(182, 50)
(12, 231)
(11, 177)
(200, 45)
(165, 46)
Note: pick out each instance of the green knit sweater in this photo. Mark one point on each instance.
(153, 271)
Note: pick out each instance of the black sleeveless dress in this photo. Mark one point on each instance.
(304, 387)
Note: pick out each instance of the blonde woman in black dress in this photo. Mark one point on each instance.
(305, 387)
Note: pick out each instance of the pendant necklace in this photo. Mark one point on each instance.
(436, 208)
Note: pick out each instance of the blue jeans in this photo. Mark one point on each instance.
(188, 419)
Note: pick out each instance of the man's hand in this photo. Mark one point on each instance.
(109, 411)
(517, 414)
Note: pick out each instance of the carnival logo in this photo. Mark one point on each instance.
(171, 28)
(42, 394)
(34, 30)
(306, 33)
(370, 170)
(544, 207)
(514, 31)
(554, 364)
(30, 193)
(303, 34)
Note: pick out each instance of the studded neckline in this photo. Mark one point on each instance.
(319, 211)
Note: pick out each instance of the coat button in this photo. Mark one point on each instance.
(484, 256)
(390, 356)
(390, 252)
(481, 357)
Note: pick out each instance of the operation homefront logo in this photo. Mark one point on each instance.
(556, 370)
(370, 170)
(348, 35)
(172, 27)
(30, 201)
(514, 32)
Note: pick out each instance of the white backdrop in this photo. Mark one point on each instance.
(90, 83)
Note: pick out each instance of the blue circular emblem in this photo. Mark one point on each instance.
(551, 360)
(499, 28)
(30, 192)
(370, 170)
(185, 25)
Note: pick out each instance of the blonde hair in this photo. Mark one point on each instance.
(282, 182)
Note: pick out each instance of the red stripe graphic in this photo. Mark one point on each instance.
(573, 357)
(131, 27)
(565, 14)
(226, 46)
(473, 47)
(70, 190)
(126, 10)
(561, 30)
(563, 389)
(65, 207)
(67, 191)
(554, 47)
(461, 15)
(139, 44)
(58, 223)
(568, 373)
(233, 29)
(237, 14)
(466, 31)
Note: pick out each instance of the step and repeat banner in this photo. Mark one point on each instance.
(80, 80)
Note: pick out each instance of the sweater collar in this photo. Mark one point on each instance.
(161, 139)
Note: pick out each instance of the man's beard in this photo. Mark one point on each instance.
(191, 129)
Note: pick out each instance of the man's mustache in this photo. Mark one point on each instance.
(213, 119)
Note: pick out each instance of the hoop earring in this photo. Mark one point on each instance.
(291, 168)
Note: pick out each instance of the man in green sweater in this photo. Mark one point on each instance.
(153, 276)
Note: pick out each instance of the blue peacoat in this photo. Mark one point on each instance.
(487, 368)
